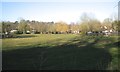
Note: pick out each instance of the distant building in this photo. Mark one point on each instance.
(28, 32)
(13, 31)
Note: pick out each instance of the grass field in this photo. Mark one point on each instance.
(60, 52)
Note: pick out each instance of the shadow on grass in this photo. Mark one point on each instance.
(63, 57)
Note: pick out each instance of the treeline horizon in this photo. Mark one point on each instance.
(87, 23)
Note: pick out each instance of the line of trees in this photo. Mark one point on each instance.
(87, 23)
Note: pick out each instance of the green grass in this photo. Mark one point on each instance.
(26, 41)
(60, 52)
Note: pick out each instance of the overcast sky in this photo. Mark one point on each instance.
(56, 11)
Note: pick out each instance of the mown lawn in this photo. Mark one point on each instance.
(60, 52)
(37, 40)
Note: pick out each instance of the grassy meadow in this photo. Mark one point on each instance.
(60, 52)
